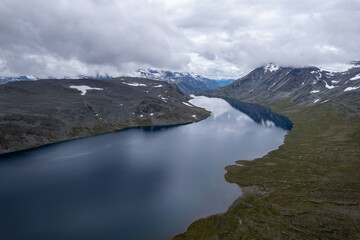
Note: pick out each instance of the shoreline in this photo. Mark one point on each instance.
(7, 154)
(286, 193)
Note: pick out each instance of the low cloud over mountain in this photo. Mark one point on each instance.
(213, 38)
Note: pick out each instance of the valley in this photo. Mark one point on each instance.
(309, 187)
(183, 120)
(306, 189)
(139, 183)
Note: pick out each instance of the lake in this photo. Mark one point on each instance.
(139, 183)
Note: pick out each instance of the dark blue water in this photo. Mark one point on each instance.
(132, 184)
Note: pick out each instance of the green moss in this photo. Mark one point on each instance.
(77, 131)
(307, 189)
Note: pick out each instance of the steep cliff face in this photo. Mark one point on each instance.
(47, 111)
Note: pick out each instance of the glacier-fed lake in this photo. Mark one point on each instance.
(139, 183)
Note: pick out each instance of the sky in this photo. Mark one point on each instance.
(218, 39)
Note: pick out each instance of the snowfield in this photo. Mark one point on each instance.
(351, 88)
(329, 86)
(84, 88)
(135, 84)
(187, 104)
(355, 78)
(271, 67)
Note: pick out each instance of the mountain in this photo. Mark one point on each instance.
(187, 82)
(309, 187)
(305, 85)
(33, 78)
(18, 78)
(34, 113)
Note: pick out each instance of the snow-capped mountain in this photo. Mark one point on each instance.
(187, 82)
(308, 85)
(19, 78)
(33, 78)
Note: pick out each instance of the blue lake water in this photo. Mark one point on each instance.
(132, 184)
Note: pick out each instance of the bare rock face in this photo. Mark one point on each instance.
(48, 111)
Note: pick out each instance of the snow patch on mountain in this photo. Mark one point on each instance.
(325, 101)
(187, 104)
(83, 88)
(135, 84)
(271, 67)
(337, 67)
(355, 78)
(329, 86)
(351, 88)
(31, 77)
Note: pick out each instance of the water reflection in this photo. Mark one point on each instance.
(132, 184)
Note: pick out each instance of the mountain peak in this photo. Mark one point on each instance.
(307, 85)
(271, 67)
(187, 82)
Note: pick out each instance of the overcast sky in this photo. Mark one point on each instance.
(210, 37)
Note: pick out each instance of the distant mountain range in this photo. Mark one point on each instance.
(18, 78)
(187, 82)
(33, 78)
(306, 85)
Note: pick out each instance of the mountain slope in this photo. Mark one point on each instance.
(187, 82)
(309, 188)
(307, 85)
(47, 111)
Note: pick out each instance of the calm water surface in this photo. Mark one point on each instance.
(132, 184)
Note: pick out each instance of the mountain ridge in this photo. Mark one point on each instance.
(306, 85)
(187, 82)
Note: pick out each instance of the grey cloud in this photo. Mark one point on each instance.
(116, 33)
(288, 32)
(213, 38)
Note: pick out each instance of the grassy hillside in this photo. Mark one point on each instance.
(307, 189)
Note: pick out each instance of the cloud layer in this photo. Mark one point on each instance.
(214, 38)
